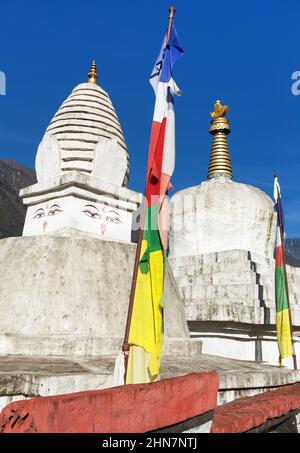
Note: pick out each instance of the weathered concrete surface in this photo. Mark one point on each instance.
(132, 408)
(245, 414)
(22, 377)
(68, 296)
(222, 239)
(220, 214)
(236, 287)
(237, 377)
(240, 283)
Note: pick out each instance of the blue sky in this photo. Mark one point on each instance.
(241, 53)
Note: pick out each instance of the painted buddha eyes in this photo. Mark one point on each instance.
(91, 211)
(113, 217)
(54, 210)
(39, 214)
(110, 216)
(106, 215)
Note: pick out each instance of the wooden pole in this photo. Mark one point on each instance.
(126, 346)
(171, 17)
(285, 274)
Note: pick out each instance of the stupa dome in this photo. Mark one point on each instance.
(221, 214)
(82, 134)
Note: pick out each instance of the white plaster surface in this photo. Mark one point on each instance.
(80, 202)
(48, 159)
(100, 219)
(218, 215)
(242, 347)
(90, 138)
(235, 286)
(110, 161)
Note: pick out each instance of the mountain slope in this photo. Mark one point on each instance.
(13, 177)
(292, 251)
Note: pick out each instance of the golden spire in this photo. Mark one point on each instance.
(219, 163)
(93, 73)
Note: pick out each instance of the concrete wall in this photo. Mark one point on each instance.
(69, 296)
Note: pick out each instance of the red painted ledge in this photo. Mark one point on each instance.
(244, 414)
(131, 408)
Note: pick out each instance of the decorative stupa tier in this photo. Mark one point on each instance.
(82, 168)
(84, 135)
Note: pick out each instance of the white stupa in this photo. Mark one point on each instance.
(222, 243)
(221, 214)
(65, 285)
(82, 168)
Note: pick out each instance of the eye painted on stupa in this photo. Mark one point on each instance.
(91, 211)
(39, 214)
(113, 217)
(54, 210)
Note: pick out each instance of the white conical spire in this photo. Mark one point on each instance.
(83, 126)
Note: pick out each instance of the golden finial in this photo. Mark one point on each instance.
(93, 73)
(219, 163)
(219, 110)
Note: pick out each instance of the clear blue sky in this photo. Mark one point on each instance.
(243, 53)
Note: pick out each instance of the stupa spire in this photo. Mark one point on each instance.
(93, 73)
(219, 163)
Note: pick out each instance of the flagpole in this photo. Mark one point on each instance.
(285, 274)
(126, 346)
(171, 17)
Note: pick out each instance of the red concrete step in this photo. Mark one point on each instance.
(130, 408)
(245, 414)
